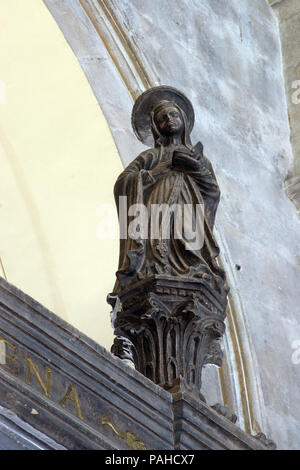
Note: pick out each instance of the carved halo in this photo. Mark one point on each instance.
(140, 118)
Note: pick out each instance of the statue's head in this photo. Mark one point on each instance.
(161, 113)
(168, 119)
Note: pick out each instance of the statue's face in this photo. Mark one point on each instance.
(169, 121)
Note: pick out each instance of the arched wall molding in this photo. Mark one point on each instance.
(113, 29)
(107, 28)
(243, 366)
(274, 2)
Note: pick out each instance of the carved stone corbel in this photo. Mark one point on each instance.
(170, 329)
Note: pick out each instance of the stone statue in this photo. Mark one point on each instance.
(170, 296)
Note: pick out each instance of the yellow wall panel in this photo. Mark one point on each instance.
(58, 164)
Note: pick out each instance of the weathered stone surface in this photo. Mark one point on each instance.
(170, 329)
(71, 389)
(15, 434)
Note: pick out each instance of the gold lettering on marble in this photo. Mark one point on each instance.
(72, 396)
(10, 357)
(30, 366)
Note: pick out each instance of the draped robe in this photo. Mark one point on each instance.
(145, 257)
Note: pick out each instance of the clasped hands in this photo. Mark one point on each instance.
(182, 160)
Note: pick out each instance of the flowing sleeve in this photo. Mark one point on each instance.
(131, 184)
(208, 186)
(206, 182)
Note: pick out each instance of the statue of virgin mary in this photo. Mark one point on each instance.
(171, 173)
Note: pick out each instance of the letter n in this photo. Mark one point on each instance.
(30, 366)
